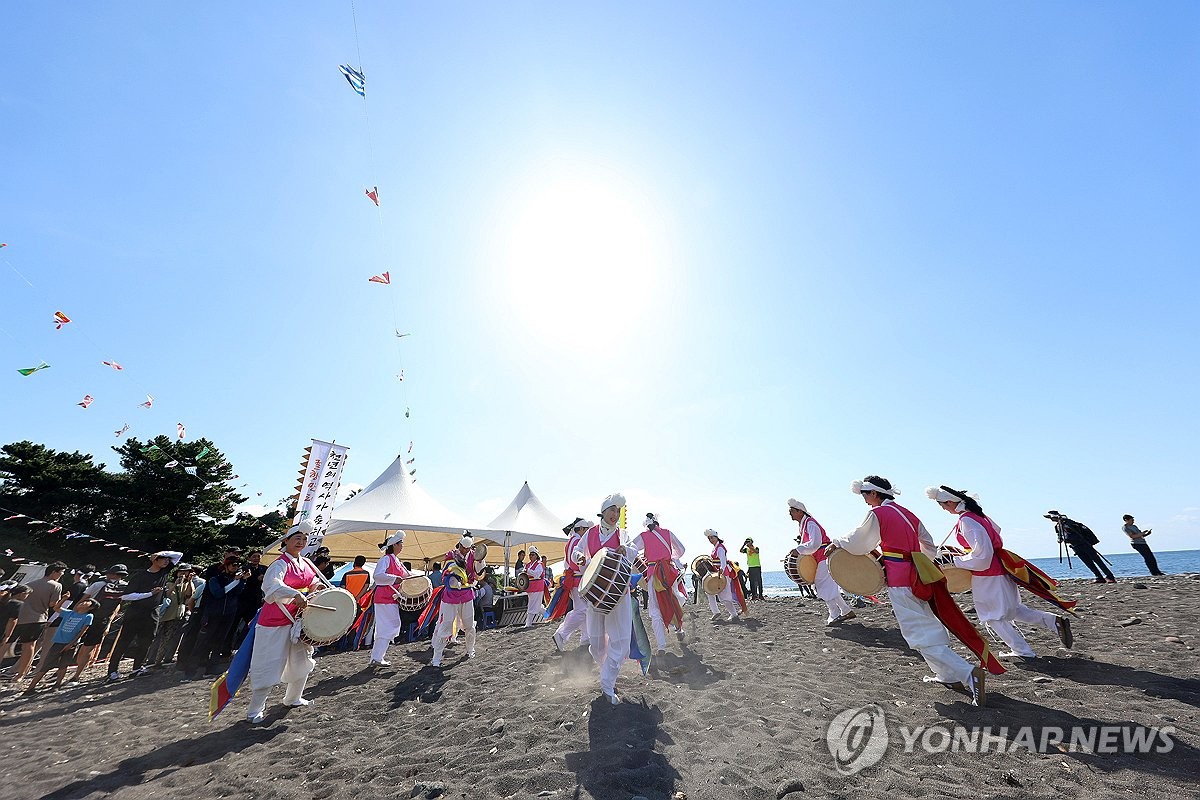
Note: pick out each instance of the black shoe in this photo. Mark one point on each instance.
(1064, 631)
(1099, 580)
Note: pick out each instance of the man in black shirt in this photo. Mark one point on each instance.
(137, 627)
(1083, 542)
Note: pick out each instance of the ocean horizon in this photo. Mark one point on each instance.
(1123, 565)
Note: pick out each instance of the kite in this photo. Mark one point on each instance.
(3, 244)
(412, 472)
(147, 451)
(407, 413)
(55, 529)
(31, 370)
(400, 335)
(182, 430)
(401, 376)
(86, 401)
(410, 446)
(149, 402)
(411, 460)
(15, 516)
(123, 431)
(60, 319)
(357, 81)
(203, 453)
(191, 471)
(112, 364)
(373, 194)
(259, 494)
(170, 464)
(385, 278)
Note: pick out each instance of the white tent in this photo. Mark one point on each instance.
(395, 502)
(527, 521)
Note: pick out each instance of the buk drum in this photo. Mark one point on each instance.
(480, 555)
(801, 569)
(859, 575)
(329, 614)
(702, 565)
(606, 580)
(958, 580)
(640, 566)
(714, 583)
(413, 593)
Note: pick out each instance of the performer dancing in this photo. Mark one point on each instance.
(608, 634)
(458, 599)
(731, 596)
(576, 618)
(276, 657)
(917, 588)
(812, 541)
(997, 601)
(536, 573)
(660, 549)
(388, 571)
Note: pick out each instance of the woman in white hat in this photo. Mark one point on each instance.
(812, 542)
(997, 601)
(731, 596)
(661, 550)
(537, 587)
(388, 572)
(576, 618)
(608, 634)
(276, 658)
(458, 598)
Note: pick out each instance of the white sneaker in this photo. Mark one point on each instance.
(381, 663)
(140, 671)
(470, 654)
(616, 700)
(716, 617)
(559, 644)
(437, 661)
(254, 719)
(301, 703)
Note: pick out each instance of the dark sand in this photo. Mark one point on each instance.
(739, 712)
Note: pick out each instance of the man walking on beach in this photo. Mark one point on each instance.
(138, 625)
(1137, 540)
(44, 594)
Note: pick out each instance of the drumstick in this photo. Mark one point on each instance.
(323, 608)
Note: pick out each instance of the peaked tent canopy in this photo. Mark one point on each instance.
(526, 521)
(394, 502)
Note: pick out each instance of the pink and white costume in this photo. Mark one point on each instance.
(458, 605)
(278, 655)
(997, 601)
(534, 593)
(654, 546)
(609, 633)
(388, 572)
(721, 557)
(576, 618)
(813, 542)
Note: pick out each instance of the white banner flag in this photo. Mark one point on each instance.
(322, 476)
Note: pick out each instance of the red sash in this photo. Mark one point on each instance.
(664, 575)
(1033, 580)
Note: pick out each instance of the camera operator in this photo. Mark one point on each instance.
(1083, 542)
(754, 568)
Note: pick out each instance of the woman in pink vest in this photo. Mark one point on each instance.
(899, 533)
(458, 599)
(731, 595)
(276, 657)
(536, 573)
(608, 634)
(388, 572)
(997, 601)
(661, 550)
(576, 618)
(812, 542)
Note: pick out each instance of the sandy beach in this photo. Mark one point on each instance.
(739, 711)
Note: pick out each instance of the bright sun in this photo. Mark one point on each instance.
(582, 237)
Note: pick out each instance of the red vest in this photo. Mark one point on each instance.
(387, 594)
(819, 555)
(995, 568)
(595, 540)
(656, 545)
(898, 538)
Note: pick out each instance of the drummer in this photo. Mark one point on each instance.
(812, 541)
(661, 550)
(608, 634)
(997, 601)
(458, 598)
(275, 657)
(535, 571)
(576, 618)
(908, 553)
(731, 596)
(388, 572)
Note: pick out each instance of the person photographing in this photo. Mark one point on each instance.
(1081, 539)
(1137, 540)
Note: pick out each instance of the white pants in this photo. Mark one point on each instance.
(830, 592)
(534, 612)
(926, 634)
(277, 659)
(726, 598)
(575, 620)
(609, 636)
(387, 627)
(656, 619)
(998, 604)
(447, 614)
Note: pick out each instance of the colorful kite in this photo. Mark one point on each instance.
(203, 453)
(86, 401)
(112, 364)
(357, 81)
(410, 446)
(31, 370)
(55, 529)
(192, 471)
(123, 431)
(149, 402)
(149, 451)
(385, 278)
(170, 464)
(182, 430)
(411, 460)
(60, 319)
(373, 194)
(15, 516)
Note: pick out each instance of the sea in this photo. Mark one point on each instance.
(1123, 565)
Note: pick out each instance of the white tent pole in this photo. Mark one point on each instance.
(507, 553)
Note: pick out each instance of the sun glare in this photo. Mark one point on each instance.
(582, 245)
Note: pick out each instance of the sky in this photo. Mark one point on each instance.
(711, 255)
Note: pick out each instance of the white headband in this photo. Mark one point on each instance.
(305, 527)
(709, 532)
(395, 538)
(858, 487)
(466, 541)
(796, 504)
(533, 551)
(939, 495)
(615, 499)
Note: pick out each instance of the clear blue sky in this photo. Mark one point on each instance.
(713, 255)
